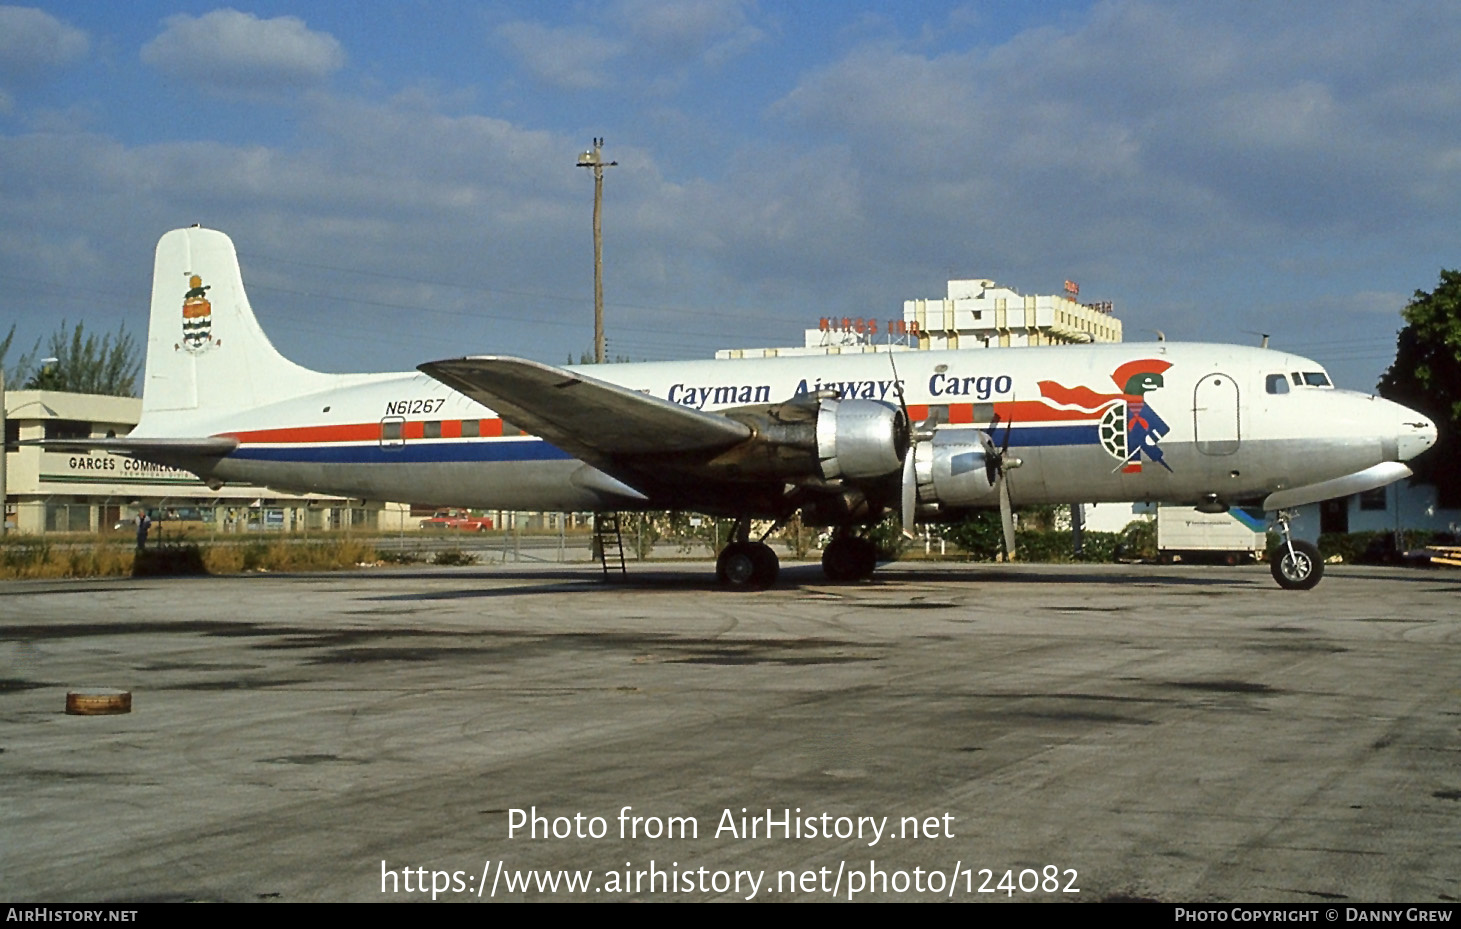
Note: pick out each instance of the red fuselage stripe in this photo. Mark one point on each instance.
(355, 432)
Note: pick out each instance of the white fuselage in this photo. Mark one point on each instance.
(1166, 422)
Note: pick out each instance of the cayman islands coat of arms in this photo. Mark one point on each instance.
(197, 317)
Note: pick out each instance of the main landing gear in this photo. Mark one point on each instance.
(1296, 563)
(849, 558)
(747, 565)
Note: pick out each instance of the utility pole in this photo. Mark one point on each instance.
(594, 159)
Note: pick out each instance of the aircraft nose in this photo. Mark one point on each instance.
(1415, 434)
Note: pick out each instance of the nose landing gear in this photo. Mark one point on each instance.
(1297, 564)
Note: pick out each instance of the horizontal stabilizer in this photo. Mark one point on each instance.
(594, 420)
(160, 450)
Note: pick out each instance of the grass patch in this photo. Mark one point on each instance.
(30, 557)
(286, 555)
(33, 557)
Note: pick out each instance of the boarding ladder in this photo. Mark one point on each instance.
(609, 541)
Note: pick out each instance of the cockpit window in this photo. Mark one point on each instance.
(1277, 384)
(1311, 379)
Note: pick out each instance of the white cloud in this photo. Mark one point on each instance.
(571, 57)
(33, 41)
(712, 30)
(647, 44)
(1148, 116)
(239, 54)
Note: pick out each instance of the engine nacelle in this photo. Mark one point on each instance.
(952, 469)
(860, 438)
(815, 438)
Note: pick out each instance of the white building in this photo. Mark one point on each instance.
(62, 492)
(979, 314)
(975, 314)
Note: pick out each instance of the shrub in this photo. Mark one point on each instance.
(979, 535)
(169, 560)
(888, 538)
(397, 556)
(454, 557)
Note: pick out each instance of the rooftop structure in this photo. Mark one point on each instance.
(976, 314)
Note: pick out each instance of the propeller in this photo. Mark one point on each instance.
(908, 499)
(997, 465)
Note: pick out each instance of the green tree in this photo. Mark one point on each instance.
(20, 372)
(85, 364)
(1426, 376)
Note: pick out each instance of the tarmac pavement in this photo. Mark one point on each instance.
(965, 732)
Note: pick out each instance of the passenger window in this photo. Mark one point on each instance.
(392, 432)
(471, 428)
(1277, 384)
(431, 429)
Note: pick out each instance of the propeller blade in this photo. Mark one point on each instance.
(908, 512)
(1007, 518)
(898, 386)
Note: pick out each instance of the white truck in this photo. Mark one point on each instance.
(1234, 537)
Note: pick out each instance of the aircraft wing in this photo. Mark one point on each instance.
(599, 422)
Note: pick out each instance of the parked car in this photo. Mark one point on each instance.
(461, 520)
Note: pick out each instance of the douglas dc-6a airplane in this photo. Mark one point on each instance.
(842, 439)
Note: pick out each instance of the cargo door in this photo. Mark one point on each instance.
(1215, 415)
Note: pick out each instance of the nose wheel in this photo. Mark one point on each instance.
(1297, 564)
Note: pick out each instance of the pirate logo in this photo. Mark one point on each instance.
(197, 317)
(1144, 428)
(1129, 428)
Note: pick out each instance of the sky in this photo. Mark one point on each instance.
(400, 178)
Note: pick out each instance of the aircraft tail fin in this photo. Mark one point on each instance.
(206, 354)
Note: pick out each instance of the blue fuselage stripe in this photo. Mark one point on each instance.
(537, 450)
(1052, 435)
(409, 453)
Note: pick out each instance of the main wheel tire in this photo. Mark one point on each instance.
(747, 566)
(768, 566)
(1299, 570)
(849, 558)
(837, 561)
(735, 567)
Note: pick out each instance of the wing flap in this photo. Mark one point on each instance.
(590, 419)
